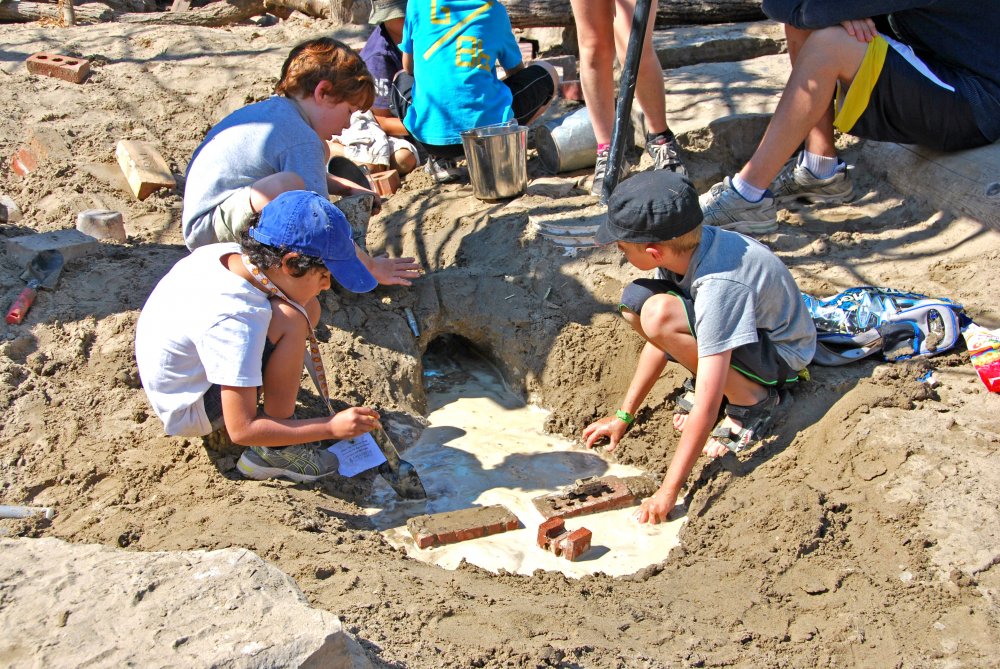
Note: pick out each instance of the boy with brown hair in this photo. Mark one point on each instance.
(721, 305)
(279, 145)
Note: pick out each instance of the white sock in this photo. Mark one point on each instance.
(821, 167)
(747, 191)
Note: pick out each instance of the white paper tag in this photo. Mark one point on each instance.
(357, 455)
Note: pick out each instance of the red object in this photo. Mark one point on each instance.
(549, 530)
(67, 68)
(571, 90)
(23, 161)
(19, 309)
(386, 183)
(575, 544)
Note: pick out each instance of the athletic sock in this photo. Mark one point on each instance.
(821, 167)
(659, 137)
(747, 191)
(603, 148)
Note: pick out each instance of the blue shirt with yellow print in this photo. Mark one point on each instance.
(455, 46)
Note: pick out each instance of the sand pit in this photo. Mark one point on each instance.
(864, 534)
(483, 446)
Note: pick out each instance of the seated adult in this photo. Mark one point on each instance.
(919, 72)
(377, 138)
(450, 85)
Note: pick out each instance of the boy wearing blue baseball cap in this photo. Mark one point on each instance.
(230, 322)
(721, 305)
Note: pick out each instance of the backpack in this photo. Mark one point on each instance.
(859, 322)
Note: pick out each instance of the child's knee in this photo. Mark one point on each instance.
(663, 313)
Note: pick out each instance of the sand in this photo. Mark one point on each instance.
(864, 534)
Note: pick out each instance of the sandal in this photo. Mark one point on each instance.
(685, 402)
(755, 420)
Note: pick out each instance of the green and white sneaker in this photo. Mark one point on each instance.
(302, 464)
(723, 207)
(795, 182)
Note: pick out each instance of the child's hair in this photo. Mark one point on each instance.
(685, 242)
(265, 255)
(326, 59)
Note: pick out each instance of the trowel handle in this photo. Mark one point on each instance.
(19, 309)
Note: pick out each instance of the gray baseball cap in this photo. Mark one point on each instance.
(653, 206)
(383, 10)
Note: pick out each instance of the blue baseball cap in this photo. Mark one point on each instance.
(305, 222)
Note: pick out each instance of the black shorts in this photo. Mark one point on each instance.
(213, 396)
(532, 88)
(890, 100)
(759, 361)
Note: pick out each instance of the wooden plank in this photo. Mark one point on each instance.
(962, 182)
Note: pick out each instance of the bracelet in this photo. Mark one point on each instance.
(625, 416)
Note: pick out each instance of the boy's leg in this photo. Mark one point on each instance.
(596, 44)
(231, 216)
(288, 332)
(649, 91)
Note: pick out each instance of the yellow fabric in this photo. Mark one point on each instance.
(852, 104)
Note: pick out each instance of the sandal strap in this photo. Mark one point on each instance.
(755, 420)
(685, 403)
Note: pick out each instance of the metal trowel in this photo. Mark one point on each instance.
(42, 272)
(399, 473)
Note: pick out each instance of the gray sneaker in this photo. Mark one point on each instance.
(600, 169)
(723, 207)
(444, 170)
(666, 155)
(304, 463)
(796, 182)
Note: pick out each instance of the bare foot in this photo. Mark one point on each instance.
(680, 420)
(715, 448)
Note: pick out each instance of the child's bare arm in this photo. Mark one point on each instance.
(708, 390)
(390, 271)
(647, 371)
(248, 427)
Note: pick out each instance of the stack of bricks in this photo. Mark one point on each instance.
(585, 497)
(553, 536)
(452, 527)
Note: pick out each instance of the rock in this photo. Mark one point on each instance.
(357, 210)
(9, 211)
(101, 224)
(67, 605)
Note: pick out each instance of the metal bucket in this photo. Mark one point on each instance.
(498, 160)
(568, 143)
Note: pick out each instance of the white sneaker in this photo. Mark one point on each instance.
(443, 170)
(725, 208)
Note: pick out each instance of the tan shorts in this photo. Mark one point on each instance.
(231, 216)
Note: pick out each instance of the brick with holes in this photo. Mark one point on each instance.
(67, 68)
(586, 496)
(452, 527)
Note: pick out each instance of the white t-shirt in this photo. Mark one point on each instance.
(201, 325)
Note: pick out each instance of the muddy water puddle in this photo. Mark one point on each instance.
(484, 446)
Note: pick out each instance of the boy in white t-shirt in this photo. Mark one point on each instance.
(231, 321)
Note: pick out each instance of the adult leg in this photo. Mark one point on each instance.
(827, 56)
(820, 138)
(649, 91)
(596, 42)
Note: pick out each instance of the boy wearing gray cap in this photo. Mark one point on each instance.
(720, 304)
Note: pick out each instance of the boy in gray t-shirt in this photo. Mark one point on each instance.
(722, 305)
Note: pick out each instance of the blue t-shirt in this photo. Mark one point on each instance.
(455, 46)
(383, 59)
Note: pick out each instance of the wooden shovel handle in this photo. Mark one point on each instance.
(19, 309)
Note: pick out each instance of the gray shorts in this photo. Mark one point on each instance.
(213, 396)
(759, 361)
(231, 216)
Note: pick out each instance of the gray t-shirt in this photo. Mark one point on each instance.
(254, 142)
(738, 286)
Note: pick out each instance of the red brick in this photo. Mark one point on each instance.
(571, 90)
(48, 145)
(144, 167)
(549, 530)
(462, 525)
(386, 183)
(23, 161)
(575, 544)
(586, 496)
(56, 65)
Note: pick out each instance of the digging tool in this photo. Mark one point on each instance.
(626, 89)
(398, 473)
(42, 272)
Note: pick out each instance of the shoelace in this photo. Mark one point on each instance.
(314, 361)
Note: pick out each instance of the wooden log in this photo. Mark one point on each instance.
(213, 15)
(340, 12)
(23, 12)
(556, 13)
(963, 182)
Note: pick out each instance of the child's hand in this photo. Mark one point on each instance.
(863, 30)
(353, 422)
(394, 271)
(611, 428)
(655, 509)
